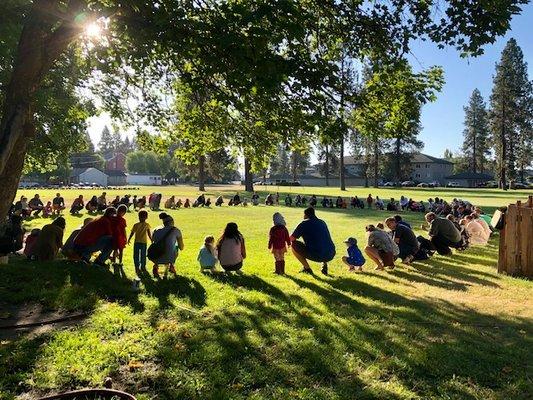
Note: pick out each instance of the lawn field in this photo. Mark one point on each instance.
(445, 328)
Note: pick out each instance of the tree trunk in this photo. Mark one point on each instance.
(201, 173)
(294, 167)
(503, 153)
(326, 166)
(397, 163)
(248, 177)
(342, 174)
(376, 163)
(45, 36)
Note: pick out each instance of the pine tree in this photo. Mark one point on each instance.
(509, 102)
(476, 145)
(397, 165)
(106, 143)
(299, 163)
(280, 163)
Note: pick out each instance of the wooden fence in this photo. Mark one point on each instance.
(516, 240)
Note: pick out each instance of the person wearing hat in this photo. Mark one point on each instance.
(355, 259)
(279, 241)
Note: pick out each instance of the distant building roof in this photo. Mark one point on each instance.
(110, 155)
(115, 172)
(476, 176)
(417, 158)
(78, 171)
(424, 158)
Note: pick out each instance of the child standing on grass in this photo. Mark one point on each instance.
(142, 232)
(208, 255)
(355, 259)
(119, 234)
(279, 241)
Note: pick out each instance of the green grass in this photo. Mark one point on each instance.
(446, 328)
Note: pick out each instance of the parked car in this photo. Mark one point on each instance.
(434, 184)
(389, 184)
(408, 183)
(423, 185)
(453, 184)
(521, 185)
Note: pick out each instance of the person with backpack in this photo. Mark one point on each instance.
(167, 242)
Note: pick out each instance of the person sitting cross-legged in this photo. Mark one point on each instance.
(317, 244)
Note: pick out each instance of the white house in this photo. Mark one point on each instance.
(88, 175)
(143, 179)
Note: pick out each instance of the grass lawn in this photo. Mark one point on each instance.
(446, 328)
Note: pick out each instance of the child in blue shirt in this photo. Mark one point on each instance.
(355, 259)
(208, 255)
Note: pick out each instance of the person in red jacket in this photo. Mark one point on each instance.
(120, 238)
(279, 242)
(96, 236)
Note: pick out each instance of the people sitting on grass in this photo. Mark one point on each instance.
(369, 201)
(50, 240)
(22, 208)
(380, 205)
(187, 204)
(68, 247)
(404, 202)
(141, 203)
(141, 232)
(231, 248)
(200, 201)
(317, 244)
(288, 200)
(58, 204)
(171, 241)
(269, 200)
(48, 210)
(354, 260)
(219, 201)
(102, 202)
(255, 199)
(36, 205)
(379, 247)
(406, 240)
(77, 205)
(97, 236)
(115, 202)
(179, 204)
(236, 199)
(92, 205)
(442, 235)
(11, 235)
(29, 244)
(207, 256)
(338, 202)
(278, 242)
(313, 201)
(392, 205)
(170, 203)
(298, 200)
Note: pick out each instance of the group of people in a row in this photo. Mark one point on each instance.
(98, 204)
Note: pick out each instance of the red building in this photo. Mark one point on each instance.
(115, 162)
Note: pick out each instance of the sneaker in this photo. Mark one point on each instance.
(324, 269)
(408, 260)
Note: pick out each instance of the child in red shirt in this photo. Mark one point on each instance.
(120, 238)
(278, 242)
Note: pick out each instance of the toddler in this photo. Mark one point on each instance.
(355, 259)
(279, 241)
(208, 255)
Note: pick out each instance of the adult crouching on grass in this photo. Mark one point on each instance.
(442, 235)
(379, 247)
(317, 244)
(50, 240)
(97, 236)
(405, 238)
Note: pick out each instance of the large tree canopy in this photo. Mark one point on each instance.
(273, 50)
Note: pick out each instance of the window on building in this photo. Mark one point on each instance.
(417, 165)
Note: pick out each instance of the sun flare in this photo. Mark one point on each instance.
(93, 30)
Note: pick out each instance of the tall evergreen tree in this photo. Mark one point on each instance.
(106, 143)
(280, 163)
(509, 103)
(397, 163)
(299, 162)
(476, 146)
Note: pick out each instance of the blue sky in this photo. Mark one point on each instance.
(442, 120)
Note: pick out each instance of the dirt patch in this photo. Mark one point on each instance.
(32, 319)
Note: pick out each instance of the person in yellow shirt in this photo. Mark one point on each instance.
(142, 233)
